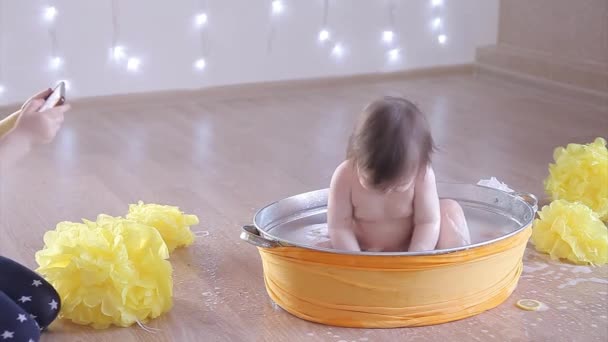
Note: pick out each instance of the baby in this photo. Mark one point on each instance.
(383, 197)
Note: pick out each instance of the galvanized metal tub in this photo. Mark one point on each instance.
(500, 226)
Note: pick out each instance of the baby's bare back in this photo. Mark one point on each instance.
(382, 221)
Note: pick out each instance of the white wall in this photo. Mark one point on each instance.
(162, 33)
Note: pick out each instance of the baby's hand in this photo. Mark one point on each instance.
(40, 127)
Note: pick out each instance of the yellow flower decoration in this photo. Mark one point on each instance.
(172, 224)
(580, 174)
(571, 231)
(112, 271)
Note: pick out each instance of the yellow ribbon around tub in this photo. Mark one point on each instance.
(393, 291)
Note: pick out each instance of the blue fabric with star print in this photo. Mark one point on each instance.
(28, 303)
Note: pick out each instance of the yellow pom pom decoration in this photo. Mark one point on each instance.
(571, 231)
(172, 224)
(111, 271)
(580, 174)
(115, 270)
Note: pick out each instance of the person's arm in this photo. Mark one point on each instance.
(13, 146)
(8, 123)
(27, 127)
(427, 217)
(340, 211)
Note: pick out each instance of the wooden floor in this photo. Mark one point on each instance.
(222, 157)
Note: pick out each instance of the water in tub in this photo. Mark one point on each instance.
(310, 228)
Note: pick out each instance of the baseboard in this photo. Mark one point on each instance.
(591, 97)
(586, 81)
(262, 88)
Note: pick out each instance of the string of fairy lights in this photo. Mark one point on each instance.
(437, 22)
(388, 35)
(1, 49)
(200, 20)
(327, 36)
(56, 62)
(118, 52)
(276, 9)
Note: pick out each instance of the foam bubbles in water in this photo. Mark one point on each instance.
(310, 228)
(317, 234)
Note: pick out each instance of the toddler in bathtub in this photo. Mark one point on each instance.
(383, 197)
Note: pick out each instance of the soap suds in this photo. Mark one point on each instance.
(573, 282)
(539, 266)
(580, 269)
(543, 307)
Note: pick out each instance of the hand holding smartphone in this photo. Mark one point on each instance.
(56, 98)
(40, 123)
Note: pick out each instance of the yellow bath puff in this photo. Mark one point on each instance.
(580, 174)
(111, 271)
(172, 224)
(571, 231)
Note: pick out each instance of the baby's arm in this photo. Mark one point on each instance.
(340, 210)
(427, 217)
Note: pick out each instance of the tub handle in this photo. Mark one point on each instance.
(528, 198)
(251, 234)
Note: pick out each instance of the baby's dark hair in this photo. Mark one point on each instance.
(391, 140)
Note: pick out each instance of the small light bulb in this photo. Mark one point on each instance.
(2, 89)
(436, 3)
(277, 6)
(56, 62)
(200, 64)
(442, 38)
(133, 63)
(201, 19)
(437, 23)
(338, 50)
(50, 13)
(393, 54)
(323, 35)
(118, 52)
(388, 36)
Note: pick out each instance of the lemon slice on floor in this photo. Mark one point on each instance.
(528, 304)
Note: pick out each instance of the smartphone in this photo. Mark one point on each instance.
(56, 98)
